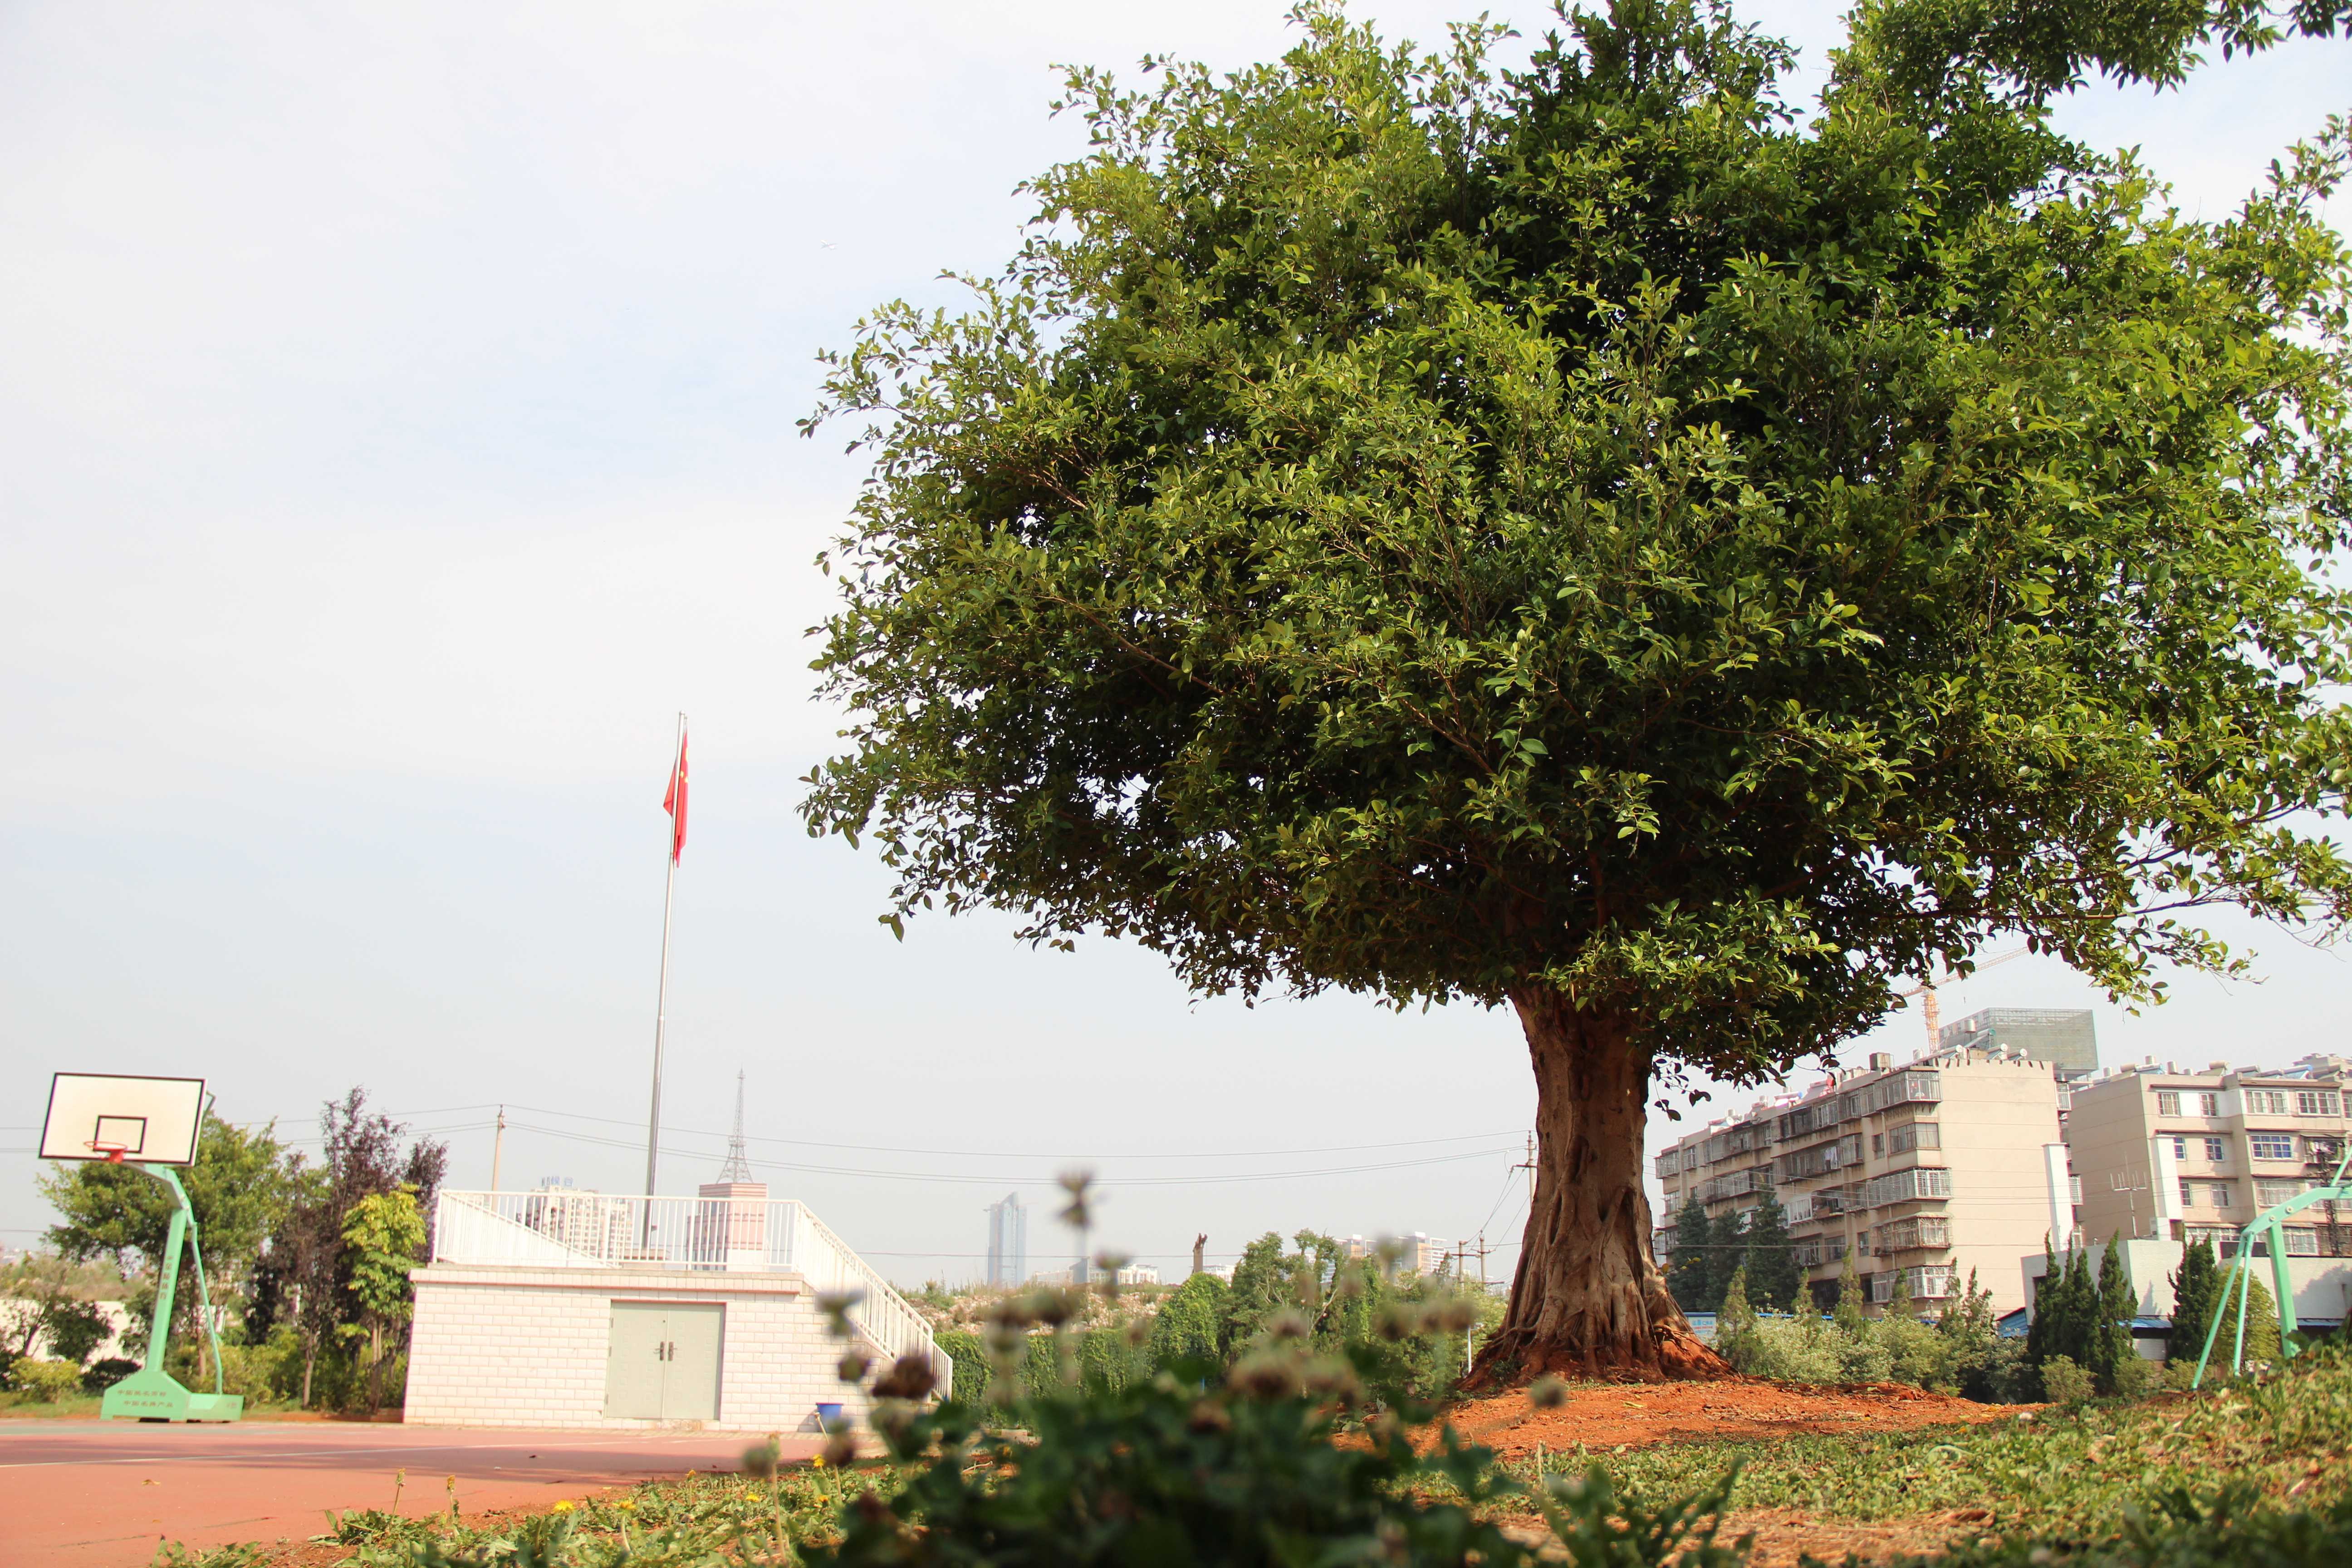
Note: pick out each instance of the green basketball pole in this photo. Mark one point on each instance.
(152, 1393)
(2268, 1230)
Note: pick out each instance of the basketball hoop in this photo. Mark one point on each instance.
(110, 1153)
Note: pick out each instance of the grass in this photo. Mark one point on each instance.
(656, 1524)
(24, 1407)
(2078, 1476)
(2071, 1473)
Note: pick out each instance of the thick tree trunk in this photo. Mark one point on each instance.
(1587, 1298)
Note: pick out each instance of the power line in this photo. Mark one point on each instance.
(807, 1169)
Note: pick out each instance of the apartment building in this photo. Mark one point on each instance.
(2166, 1155)
(1933, 1169)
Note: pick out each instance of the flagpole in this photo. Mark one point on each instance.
(661, 1012)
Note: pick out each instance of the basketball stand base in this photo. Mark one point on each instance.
(152, 1393)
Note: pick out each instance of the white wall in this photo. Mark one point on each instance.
(526, 1347)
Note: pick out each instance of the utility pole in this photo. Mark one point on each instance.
(497, 1148)
(1199, 1247)
(1528, 1165)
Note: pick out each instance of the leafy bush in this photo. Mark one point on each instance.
(43, 1381)
(99, 1376)
(1246, 1475)
(1798, 1350)
(2063, 1382)
(969, 1358)
(1190, 1324)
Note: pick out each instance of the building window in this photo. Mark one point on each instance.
(2222, 1239)
(2181, 1148)
(1878, 1143)
(2215, 1152)
(2265, 1102)
(2302, 1242)
(1914, 1135)
(2222, 1196)
(2168, 1102)
(2209, 1105)
(2268, 1194)
(2188, 1194)
(2273, 1145)
(2317, 1102)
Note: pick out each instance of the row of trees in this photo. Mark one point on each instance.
(306, 1261)
(2078, 1343)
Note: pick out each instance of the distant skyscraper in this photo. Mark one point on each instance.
(1008, 1242)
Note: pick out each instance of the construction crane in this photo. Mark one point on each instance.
(1926, 992)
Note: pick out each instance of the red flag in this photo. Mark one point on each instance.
(674, 802)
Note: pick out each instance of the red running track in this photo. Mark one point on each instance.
(101, 1494)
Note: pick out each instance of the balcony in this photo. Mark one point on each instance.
(1906, 1186)
(1921, 1231)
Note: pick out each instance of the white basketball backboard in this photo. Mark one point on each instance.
(104, 1116)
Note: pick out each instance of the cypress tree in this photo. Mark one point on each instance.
(1774, 1280)
(2196, 1296)
(1898, 1300)
(2262, 1321)
(1725, 1245)
(2047, 1305)
(1735, 1320)
(1689, 1273)
(1850, 1313)
(2081, 1310)
(2110, 1340)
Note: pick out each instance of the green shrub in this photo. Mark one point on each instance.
(1916, 1353)
(1789, 1350)
(2063, 1382)
(1191, 1323)
(964, 1350)
(1246, 1474)
(43, 1381)
(99, 1376)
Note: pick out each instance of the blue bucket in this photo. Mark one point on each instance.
(827, 1414)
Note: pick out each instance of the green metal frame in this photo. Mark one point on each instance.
(2268, 1226)
(152, 1393)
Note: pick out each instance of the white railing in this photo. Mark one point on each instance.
(561, 1228)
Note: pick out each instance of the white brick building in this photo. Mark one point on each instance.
(673, 1312)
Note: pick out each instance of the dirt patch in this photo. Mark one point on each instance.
(1607, 1416)
(1786, 1536)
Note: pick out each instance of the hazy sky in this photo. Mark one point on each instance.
(395, 431)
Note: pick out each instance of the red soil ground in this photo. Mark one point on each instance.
(1604, 1416)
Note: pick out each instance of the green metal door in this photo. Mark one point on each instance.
(636, 1360)
(691, 1366)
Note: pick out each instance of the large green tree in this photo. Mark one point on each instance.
(238, 1186)
(1596, 540)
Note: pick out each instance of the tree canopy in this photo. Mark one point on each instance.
(1394, 529)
